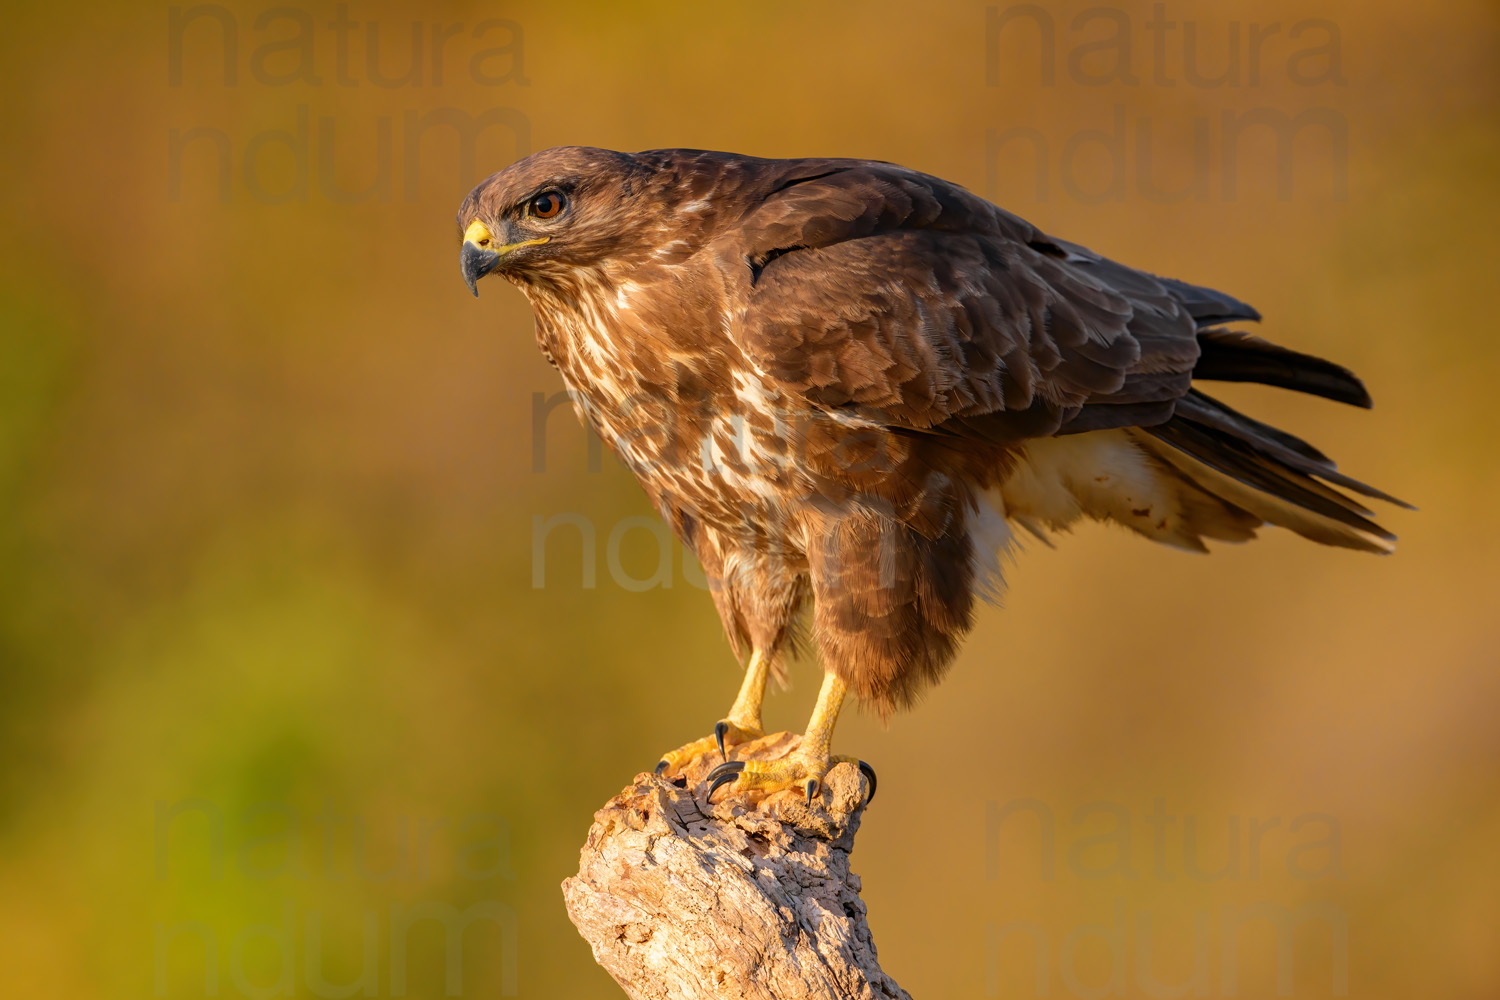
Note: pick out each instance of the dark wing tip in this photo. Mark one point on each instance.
(1234, 356)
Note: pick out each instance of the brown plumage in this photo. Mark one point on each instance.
(842, 382)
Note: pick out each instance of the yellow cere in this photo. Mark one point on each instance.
(479, 235)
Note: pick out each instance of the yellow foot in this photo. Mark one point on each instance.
(803, 772)
(724, 732)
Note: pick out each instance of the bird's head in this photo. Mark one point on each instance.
(543, 217)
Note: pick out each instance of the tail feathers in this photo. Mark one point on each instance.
(1232, 356)
(1257, 469)
(1266, 472)
(1275, 444)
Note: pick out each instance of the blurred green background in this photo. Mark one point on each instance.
(270, 649)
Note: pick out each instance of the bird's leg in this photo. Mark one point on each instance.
(804, 767)
(741, 724)
(743, 721)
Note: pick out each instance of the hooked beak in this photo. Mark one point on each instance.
(481, 255)
(475, 262)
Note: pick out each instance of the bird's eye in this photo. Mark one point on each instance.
(546, 205)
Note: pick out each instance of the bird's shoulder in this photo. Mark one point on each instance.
(866, 285)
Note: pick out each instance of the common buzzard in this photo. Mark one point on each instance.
(845, 384)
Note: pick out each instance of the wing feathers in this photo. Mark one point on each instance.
(1232, 356)
(908, 301)
(1207, 306)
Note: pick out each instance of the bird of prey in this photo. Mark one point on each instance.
(846, 384)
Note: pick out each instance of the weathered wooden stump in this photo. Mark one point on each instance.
(750, 896)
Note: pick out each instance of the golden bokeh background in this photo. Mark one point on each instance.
(270, 649)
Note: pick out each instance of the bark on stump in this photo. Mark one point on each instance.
(750, 896)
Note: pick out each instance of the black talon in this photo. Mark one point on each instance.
(812, 787)
(724, 774)
(868, 772)
(661, 766)
(720, 728)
